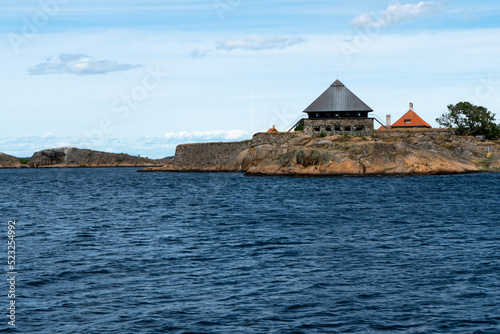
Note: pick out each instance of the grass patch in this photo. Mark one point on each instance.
(448, 146)
(24, 161)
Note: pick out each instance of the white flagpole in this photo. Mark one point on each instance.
(252, 114)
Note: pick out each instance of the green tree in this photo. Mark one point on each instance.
(467, 119)
(300, 126)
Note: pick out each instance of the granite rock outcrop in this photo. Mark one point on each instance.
(74, 157)
(415, 154)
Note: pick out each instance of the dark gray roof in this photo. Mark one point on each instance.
(337, 98)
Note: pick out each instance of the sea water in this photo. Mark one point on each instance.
(116, 251)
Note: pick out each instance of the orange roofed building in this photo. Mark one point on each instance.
(409, 120)
(272, 130)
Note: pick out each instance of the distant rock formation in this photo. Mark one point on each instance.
(9, 161)
(74, 157)
(411, 154)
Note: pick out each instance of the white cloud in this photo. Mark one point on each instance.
(79, 64)
(397, 13)
(25, 146)
(248, 43)
(256, 43)
(207, 135)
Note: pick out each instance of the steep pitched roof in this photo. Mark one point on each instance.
(337, 98)
(272, 130)
(411, 120)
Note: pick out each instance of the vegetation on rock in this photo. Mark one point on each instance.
(300, 126)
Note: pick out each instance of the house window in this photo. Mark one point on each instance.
(347, 128)
(317, 115)
(316, 128)
(327, 114)
(347, 114)
(337, 127)
(407, 121)
(337, 115)
(360, 127)
(328, 128)
(358, 114)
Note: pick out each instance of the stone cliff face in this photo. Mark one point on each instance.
(339, 155)
(8, 161)
(355, 156)
(73, 157)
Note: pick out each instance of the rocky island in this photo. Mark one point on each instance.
(435, 151)
(9, 161)
(74, 157)
(385, 152)
(338, 138)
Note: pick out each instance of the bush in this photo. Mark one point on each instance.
(300, 126)
(322, 134)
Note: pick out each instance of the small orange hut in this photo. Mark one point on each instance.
(272, 130)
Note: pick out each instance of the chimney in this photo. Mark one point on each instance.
(411, 106)
(388, 120)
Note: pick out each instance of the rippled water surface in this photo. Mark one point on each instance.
(115, 251)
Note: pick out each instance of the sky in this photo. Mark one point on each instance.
(142, 77)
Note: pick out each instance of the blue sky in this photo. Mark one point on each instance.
(143, 77)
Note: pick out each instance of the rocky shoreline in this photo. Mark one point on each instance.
(411, 154)
(294, 154)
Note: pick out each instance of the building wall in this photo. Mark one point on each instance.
(273, 138)
(203, 155)
(397, 132)
(331, 127)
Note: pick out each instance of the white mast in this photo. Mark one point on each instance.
(252, 114)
